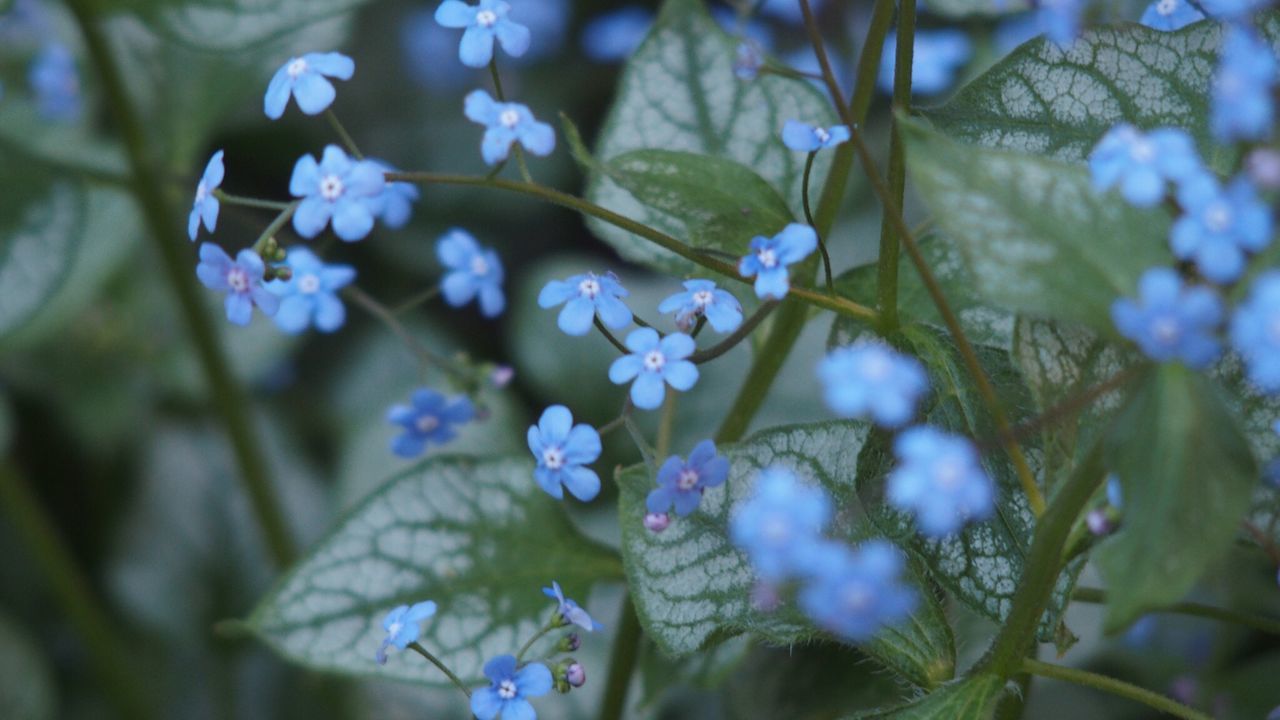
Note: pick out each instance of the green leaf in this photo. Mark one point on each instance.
(1036, 236)
(973, 698)
(26, 685)
(965, 8)
(691, 587)
(1047, 100)
(476, 536)
(678, 92)
(1187, 474)
(808, 682)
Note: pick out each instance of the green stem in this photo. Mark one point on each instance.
(497, 79)
(833, 303)
(1113, 686)
(808, 217)
(345, 136)
(270, 231)
(108, 654)
(1257, 622)
(622, 662)
(418, 648)
(541, 633)
(424, 355)
(743, 332)
(230, 199)
(414, 301)
(229, 397)
(887, 265)
(788, 323)
(613, 340)
(667, 423)
(869, 61)
(828, 76)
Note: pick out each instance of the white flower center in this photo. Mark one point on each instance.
(202, 192)
(767, 257)
(703, 298)
(331, 187)
(589, 288)
(297, 67)
(1142, 151)
(775, 529)
(822, 135)
(238, 279)
(876, 367)
(395, 629)
(1165, 330)
(427, 423)
(509, 118)
(553, 458)
(486, 18)
(688, 479)
(855, 598)
(308, 284)
(1166, 7)
(1218, 217)
(479, 266)
(948, 474)
(654, 360)
(507, 689)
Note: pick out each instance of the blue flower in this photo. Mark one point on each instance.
(701, 298)
(483, 22)
(507, 123)
(241, 280)
(613, 36)
(682, 483)
(397, 198)
(508, 688)
(1170, 15)
(652, 362)
(403, 625)
(585, 296)
(1060, 19)
(561, 449)
(547, 20)
(338, 188)
(1170, 321)
(871, 379)
(56, 83)
(770, 257)
(1141, 163)
(1219, 226)
(780, 523)
(803, 137)
(936, 57)
(473, 272)
(1115, 494)
(304, 79)
(748, 58)
(1243, 107)
(1255, 333)
(206, 206)
(1232, 9)
(856, 592)
(939, 479)
(310, 294)
(430, 419)
(570, 612)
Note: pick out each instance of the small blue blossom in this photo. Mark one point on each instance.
(508, 689)
(803, 137)
(748, 58)
(1115, 494)
(1220, 225)
(1140, 164)
(1170, 15)
(1243, 107)
(654, 361)
(430, 419)
(770, 257)
(473, 272)
(936, 57)
(701, 298)
(856, 592)
(570, 612)
(682, 483)
(304, 79)
(1170, 321)
(348, 192)
(780, 523)
(506, 124)
(56, 83)
(1255, 333)
(240, 279)
(940, 480)
(870, 379)
(403, 625)
(562, 449)
(205, 207)
(484, 23)
(613, 36)
(310, 295)
(584, 297)
(1060, 20)
(397, 198)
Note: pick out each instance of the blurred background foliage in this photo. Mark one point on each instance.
(106, 419)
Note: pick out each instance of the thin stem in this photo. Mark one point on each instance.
(666, 424)
(414, 301)
(345, 136)
(1113, 686)
(497, 79)
(285, 214)
(808, 216)
(522, 165)
(622, 662)
(541, 633)
(787, 326)
(1068, 408)
(228, 396)
(417, 647)
(836, 304)
(828, 76)
(230, 199)
(617, 422)
(869, 62)
(887, 265)
(1267, 625)
(380, 311)
(744, 330)
(609, 336)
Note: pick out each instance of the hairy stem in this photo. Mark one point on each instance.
(541, 633)
(1113, 686)
(1260, 623)
(418, 648)
(887, 265)
(622, 662)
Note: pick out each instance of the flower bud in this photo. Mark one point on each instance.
(576, 675)
(1263, 166)
(570, 643)
(657, 522)
(1100, 523)
(501, 376)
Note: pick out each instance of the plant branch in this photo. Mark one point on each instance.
(887, 264)
(380, 311)
(1113, 686)
(808, 217)
(242, 201)
(622, 662)
(744, 331)
(418, 648)
(1096, 596)
(610, 336)
(1067, 408)
(347, 140)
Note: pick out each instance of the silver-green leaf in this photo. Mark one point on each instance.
(974, 698)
